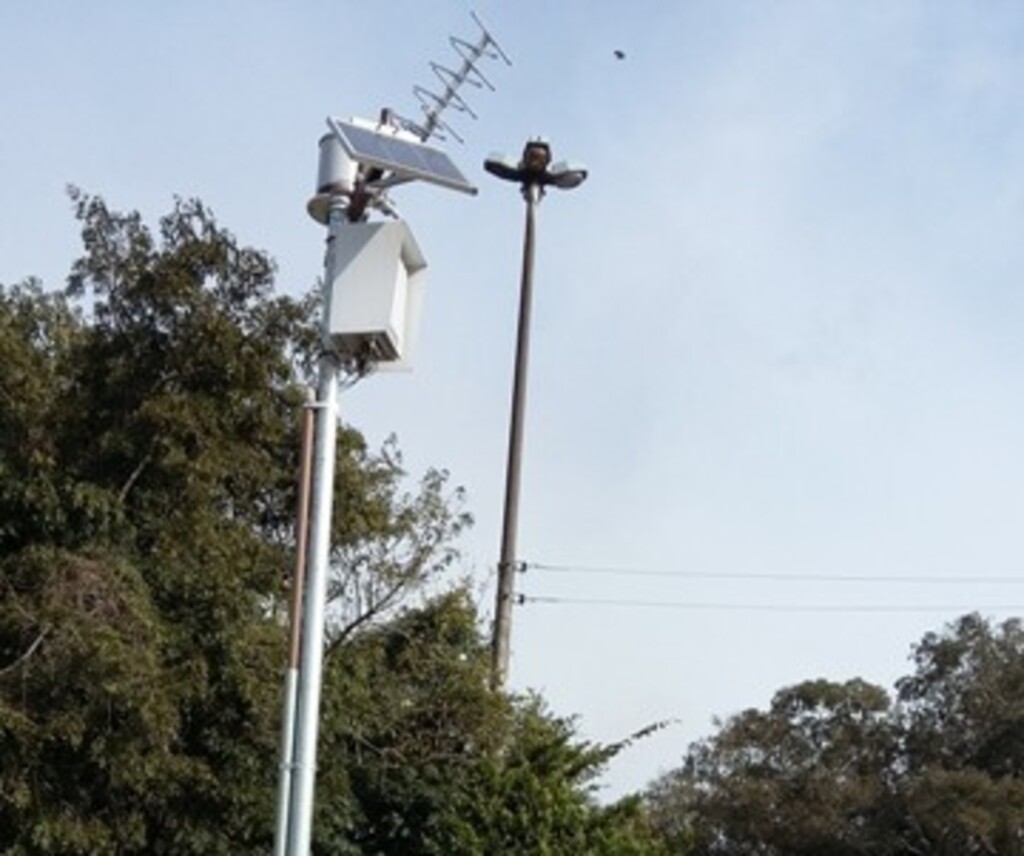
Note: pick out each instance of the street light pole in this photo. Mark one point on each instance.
(533, 172)
(513, 468)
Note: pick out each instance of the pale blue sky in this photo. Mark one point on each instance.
(777, 331)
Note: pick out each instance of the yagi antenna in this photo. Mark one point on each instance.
(433, 104)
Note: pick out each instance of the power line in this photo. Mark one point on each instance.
(524, 599)
(775, 576)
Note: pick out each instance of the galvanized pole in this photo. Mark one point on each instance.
(507, 564)
(300, 825)
(291, 677)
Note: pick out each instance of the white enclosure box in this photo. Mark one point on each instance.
(376, 294)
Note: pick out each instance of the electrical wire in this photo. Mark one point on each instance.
(524, 599)
(776, 576)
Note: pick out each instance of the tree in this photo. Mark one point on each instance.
(964, 704)
(148, 450)
(962, 718)
(147, 466)
(438, 764)
(839, 768)
(804, 776)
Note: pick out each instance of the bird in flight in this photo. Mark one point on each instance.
(620, 54)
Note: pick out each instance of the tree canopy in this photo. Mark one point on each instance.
(148, 452)
(848, 768)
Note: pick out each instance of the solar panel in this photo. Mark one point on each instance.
(404, 157)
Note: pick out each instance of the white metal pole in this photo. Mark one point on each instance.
(311, 665)
(284, 781)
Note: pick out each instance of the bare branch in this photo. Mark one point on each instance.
(134, 477)
(28, 653)
(378, 606)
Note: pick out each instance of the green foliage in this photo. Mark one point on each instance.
(146, 481)
(535, 797)
(801, 776)
(148, 451)
(80, 710)
(843, 769)
(436, 763)
(38, 502)
(962, 719)
(964, 706)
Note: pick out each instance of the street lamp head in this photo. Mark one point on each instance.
(566, 176)
(503, 167)
(536, 157)
(534, 169)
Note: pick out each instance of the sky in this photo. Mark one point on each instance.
(776, 334)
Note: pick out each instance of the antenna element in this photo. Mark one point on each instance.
(433, 104)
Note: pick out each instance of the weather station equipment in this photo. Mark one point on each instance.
(375, 279)
(372, 297)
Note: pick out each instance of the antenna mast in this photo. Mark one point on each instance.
(372, 290)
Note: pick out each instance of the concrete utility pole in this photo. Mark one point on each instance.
(533, 173)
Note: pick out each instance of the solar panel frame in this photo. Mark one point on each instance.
(402, 157)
